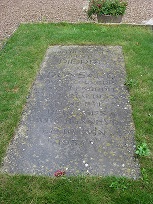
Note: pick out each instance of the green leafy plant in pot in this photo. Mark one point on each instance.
(107, 11)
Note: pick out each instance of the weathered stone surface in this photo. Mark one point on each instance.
(78, 117)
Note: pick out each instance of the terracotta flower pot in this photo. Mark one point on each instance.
(109, 18)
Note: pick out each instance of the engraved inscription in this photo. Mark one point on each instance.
(77, 117)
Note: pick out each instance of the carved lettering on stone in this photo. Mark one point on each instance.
(78, 113)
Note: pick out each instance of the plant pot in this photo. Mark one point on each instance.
(109, 18)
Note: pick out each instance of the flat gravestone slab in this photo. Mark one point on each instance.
(78, 117)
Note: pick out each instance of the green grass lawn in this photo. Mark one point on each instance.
(20, 61)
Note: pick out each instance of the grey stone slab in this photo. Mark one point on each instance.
(78, 117)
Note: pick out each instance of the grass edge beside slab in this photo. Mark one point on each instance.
(20, 61)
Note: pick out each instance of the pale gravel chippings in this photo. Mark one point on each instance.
(138, 11)
(13, 12)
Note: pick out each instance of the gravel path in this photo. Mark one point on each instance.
(13, 12)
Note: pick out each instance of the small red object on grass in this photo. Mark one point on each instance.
(59, 173)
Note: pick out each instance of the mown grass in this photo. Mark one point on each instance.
(20, 60)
